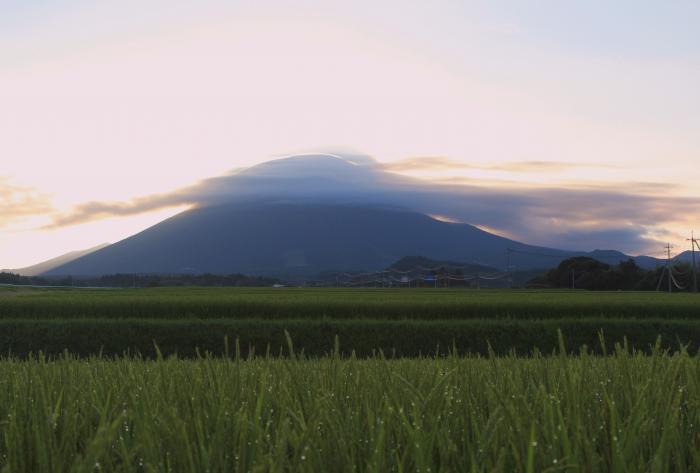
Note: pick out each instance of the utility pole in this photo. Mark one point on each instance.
(509, 253)
(668, 268)
(573, 278)
(697, 243)
(693, 242)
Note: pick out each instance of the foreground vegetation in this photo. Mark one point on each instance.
(626, 412)
(346, 397)
(409, 338)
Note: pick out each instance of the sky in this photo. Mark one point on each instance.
(589, 108)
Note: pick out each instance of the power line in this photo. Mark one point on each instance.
(668, 266)
(693, 243)
(667, 270)
(532, 253)
(438, 275)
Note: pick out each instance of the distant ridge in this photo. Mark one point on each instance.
(410, 263)
(48, 265)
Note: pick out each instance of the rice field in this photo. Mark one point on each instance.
(221, 380)
(397, 322)
(299, 303)
(625, 412)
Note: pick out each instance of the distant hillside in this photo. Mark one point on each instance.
(408, 263)
(48, 265)
(687, 257)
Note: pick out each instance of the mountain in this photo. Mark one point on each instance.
(687, 257)
(48, 265)
(308, 214)
(283, 239)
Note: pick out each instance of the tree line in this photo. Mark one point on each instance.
(141, 280)
(583, 272)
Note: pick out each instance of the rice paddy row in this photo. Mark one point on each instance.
(293, 303)
(396, 322)
(626, 412)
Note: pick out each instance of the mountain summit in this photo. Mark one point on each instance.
(303, 215)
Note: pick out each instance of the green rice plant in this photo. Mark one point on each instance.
(292, 303)
(624, 412)
(364, 337)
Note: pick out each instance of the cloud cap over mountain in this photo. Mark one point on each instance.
(624, 217)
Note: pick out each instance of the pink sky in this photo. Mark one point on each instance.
(102, 105)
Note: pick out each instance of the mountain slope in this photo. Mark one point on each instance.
(48, 265)
(283, 239)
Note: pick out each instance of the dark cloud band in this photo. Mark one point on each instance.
(576, 218)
